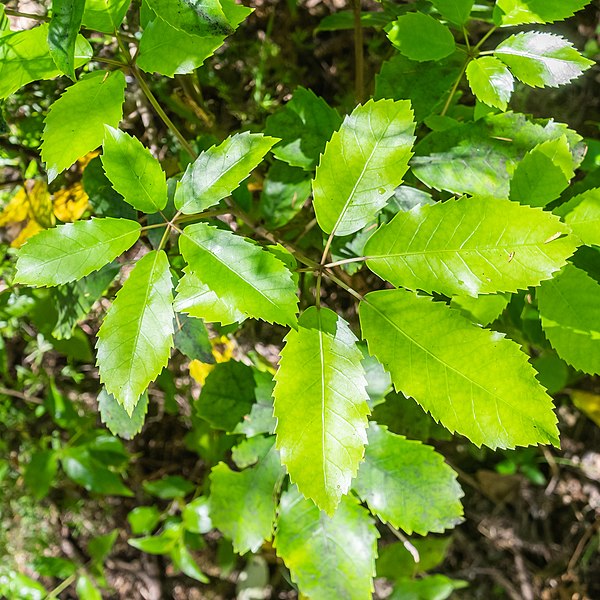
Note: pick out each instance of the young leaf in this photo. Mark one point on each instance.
(321, 407)
(133, 171)
(584, 219)
(73, 250)
(240, 273)
(470, 246)
(470, 379)
(75, 122)
(490, 81)
(362, 165)
(143, 519)
(183, 560)
(115, 417)
(421, 37)
(169, 51)
(552, 158)
(220, 170)
(40, 472)
(304, 124)
(227, 395)
(62, 33)
(408, 484)
(86, 588)
(105, 15)
(542, 59)
(136, 337)
(570, 311)
(25, 57)
(242, 504)
(199, 17)
(328, 557)
(456, 11)
(196, 299)
(519, 12)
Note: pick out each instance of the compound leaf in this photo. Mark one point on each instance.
(75, 122)
(133, 171)
(421, 37)
(243, 504)
(74, 250)
(472, 380)
(408, 484)
(62, 33)
(328, 557)
(362, 165)
(542, 59)
(136, 337)
(25, 57)
(490, 81)
(570, 311)
(321, 407)
(220, 170)
(240, 273)
(470, 246)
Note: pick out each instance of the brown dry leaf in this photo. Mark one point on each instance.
(70, 203)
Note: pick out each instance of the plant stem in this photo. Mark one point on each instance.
(455, 87)
(24, 15)
(346, 261)
(485, 37)
(339, 282)
(61, 587)
(359, 53)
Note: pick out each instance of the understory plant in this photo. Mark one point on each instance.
(395, 240)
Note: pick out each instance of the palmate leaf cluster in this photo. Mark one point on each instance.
(315, 474)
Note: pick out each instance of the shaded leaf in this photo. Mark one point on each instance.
(62, 33)
(321, 407)
(457, 11)
(470, 379)
(196, 17)
(115, 417)
(167, 488)
(40, 472)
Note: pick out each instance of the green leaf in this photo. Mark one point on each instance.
(408, 484)
(519, 12)
(86, 589)
(105, 15)
(115, 417)
(143, 519)
(427, 89)
(75, 123)
(25, 57)
(136, 337)
(304, 124)
(420, 37)
(260, 419)
(321, 407)
(471, 380)
(478, 158)
(191, 339)
(157, 544)
(328, 557)
(584, 219)
(490, 81)
(552, 158)
(169, 51)
(40, 473)
(362, 165)
(457, 11)
(241, 274)
(196, 515)
(196, 17)
(184, 561)
(101, 546)
(284, 192)
(133, 171)
(242, 504)
(470, 246)
(219, 170)
(344, 19)
(198, 300)
(167, 488)
(483, 309)
(432, 587)
(396, 561)
(570, 310)
(62, 33)
(74, 250)
(542, 59)
(227, 395)
(80, 466)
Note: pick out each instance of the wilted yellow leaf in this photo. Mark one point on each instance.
(28, 231)
(222, 350)
(588, 404)
(70, 203)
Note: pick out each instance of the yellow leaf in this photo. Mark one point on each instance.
(84, 161)
(70, 203)
(40, 203)
(16, 210)
(28, 231)
(588, 404)
(222, 350)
